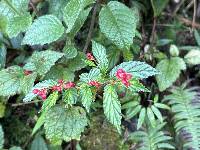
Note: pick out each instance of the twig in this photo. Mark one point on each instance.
(194, 14)
(34, 8)
(91, 27)
(153, 32)
(189, 22)
(178, 7)
(27, 103)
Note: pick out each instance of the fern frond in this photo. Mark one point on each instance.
(185, 105)
(152, 138)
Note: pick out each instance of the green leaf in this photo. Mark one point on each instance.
(39, 123)
(72, 11)
(3, 53)
(65, 123)
(70, 51)
(162, 106)
(41, 85)
(138, 69)
(193, 57)
(3, 23)
(15, 148)
(99, 53)
(93, 75)
(157, 113)
(170, 70)
(112, 106)
(130, 114)
(86, 96)
(136, 86)
(70, 96)
(10, 80)
(118, 23)
(141, 118)
(197, 37)
(41, 62)
(1, 137)
(48, 24)
(28, 82)
(50, 101)
(18, 24)
(158, 6)
(38, 144)
(151, 117)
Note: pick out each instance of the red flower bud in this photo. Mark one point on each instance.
(94, 83)
(69, 85)
(90, 56)
(35, 91)
(60, 81)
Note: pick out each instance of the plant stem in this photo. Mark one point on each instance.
(27, 103)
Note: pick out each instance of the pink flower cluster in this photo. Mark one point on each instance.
(59, 87)
(90, 56)
(124, 77)
(95, 83)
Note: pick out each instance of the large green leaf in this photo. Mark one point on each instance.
(50, 25)
(112, 106)
(86, 96)
(18, 24)
(1, 137)
(41, 62)
(10, 80)
(118, 23)
(65, 123)
(38, 144)
(137, 69)
(99, 52)
(73, 10)
(41, 85)
(170, 70)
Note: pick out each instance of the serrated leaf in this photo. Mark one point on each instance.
(41, 85)
(50, 101)
(48, 24)
(28, 82)
(86, 96)
(170, 70)
(41, 62)
(18, 24)
(141, 118)
(99, 53)
(1, 137)
(39, 123)
(193, 57)
(118, 23)
(70, 96)
(10, 80)
(3, 53)
(93, 75)
(65, 123)
(38, 144)
(112, 106)
(158, 6)
(136, 86)
(72, 11)
(157, 113)
(138, 69)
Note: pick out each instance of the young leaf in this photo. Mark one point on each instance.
(1, 137)
(99, 53)
(70, 51)
(112, 106)
(86, 96)
(41, 85)
(118, 23)
(72, 11)
(151, 117)
(18, 24)
(50, 101)
(10, 80)
(70, 96)
(157, 113)
(193, 57)
(50, 25)
(170, 70)
(38, 144)
(136, 68)
(136, 86)
(141, 118)
(41, 62)
(65, 123)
